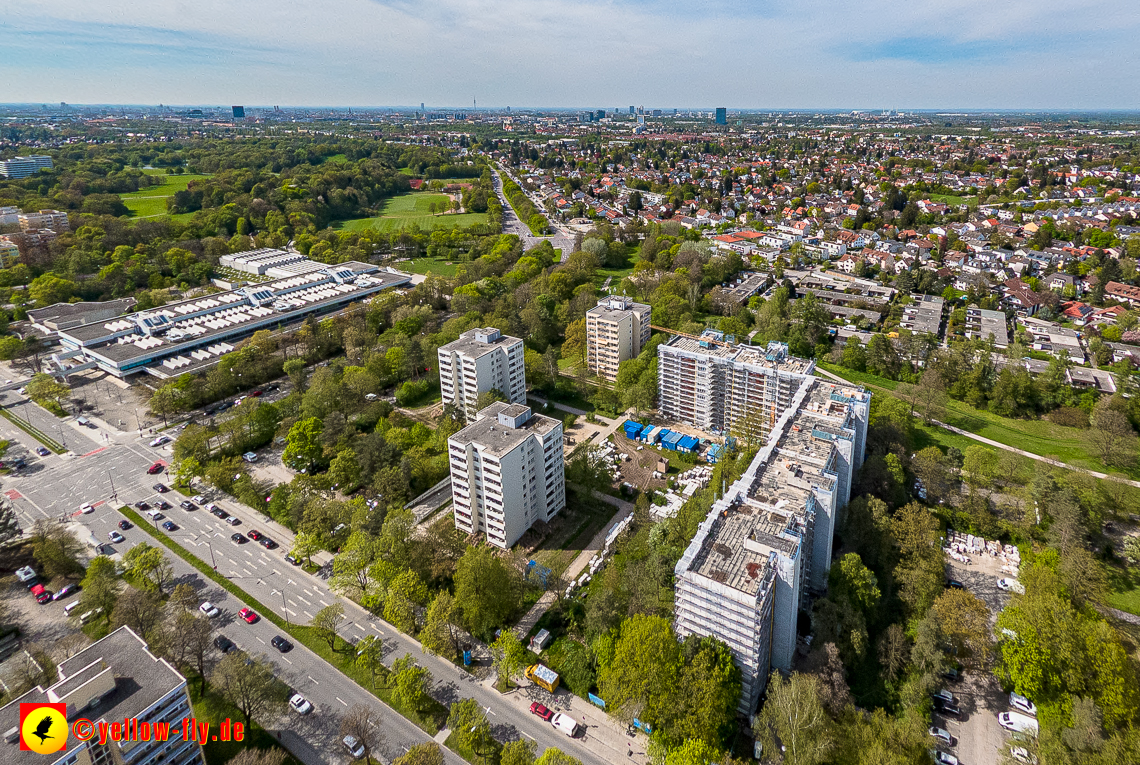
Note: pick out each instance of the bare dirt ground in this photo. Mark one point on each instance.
(638, 470)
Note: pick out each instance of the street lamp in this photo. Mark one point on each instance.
(284, 607)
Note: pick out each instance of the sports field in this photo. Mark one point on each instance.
(151, 201)
(406, 209)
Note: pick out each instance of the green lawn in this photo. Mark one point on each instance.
(404, 210)
(1041, 437)
(950, 199)
(151, 201)
(437, 266)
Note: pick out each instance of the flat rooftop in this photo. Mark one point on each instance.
(469, 343)
(613, 308)
(742, 354)
(498, 439)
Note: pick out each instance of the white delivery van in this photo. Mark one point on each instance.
(566, 724)
(70, 607)
(1018, 723)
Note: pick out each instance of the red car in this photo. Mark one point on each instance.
(255, 394)
(254, 534)
(157, 467)
(541, 711)
(249, 616)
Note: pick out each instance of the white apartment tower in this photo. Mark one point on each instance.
(720, 387)
(767, 543)
(507, 472)
(616, 330)
(479, 361)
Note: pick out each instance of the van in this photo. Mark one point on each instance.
(26, 575)
(83, 421)
(1018, 723)
(70, 607)
(154, 515)
(565, 723)
(89, 615)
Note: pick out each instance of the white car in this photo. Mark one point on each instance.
(116, 537)
(160, 441)
(209, 609)
(87, 508)
(1011, 585)
(354, 747)
(301, 705)
(249, 457)
(1021, 754)
(1022, 704)
(198, 499)
(942, 735)
(942, 758)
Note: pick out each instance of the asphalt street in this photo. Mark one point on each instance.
(512, 225)
(115, 473)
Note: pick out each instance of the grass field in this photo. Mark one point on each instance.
(437, 266)
(950, 199)
(404, 210)
(151, 201)
(1069, 445)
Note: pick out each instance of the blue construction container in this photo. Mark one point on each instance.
(687, 444)
(672, 441)
(649, 433)
(632, 429)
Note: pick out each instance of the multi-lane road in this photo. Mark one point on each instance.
(109, 469)
(561, 239)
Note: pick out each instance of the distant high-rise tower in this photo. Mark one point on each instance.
(239, 112)
(422, 106)
(601, 113)
(632, 110)
(721, 115)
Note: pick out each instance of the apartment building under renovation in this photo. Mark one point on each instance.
(720, 386)
(766, 544)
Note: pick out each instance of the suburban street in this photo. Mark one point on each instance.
(561, 239)
(108, 468)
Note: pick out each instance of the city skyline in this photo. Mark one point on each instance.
(800, 55)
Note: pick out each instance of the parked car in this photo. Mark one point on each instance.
(198, 499)
(948, 710)
(41, 594)
(124, 525)
(565, 723)
(43, 451)
(541, 711)
(238, 539)
(220, 513)
(142, 506)
(1022, 704)
(1021, 754)
(943, 695)
(170, 526)
(187, 505)
(255, 393)
(224, 644)
(354, 747)
(942, 758)
(292, 559)
(162, 504)
(954, 584)
(116, 537)
(942, 735)
(154, 515)
(249, 457)
(160, 488)
(281, 644)
(232, 520)
(155, 469)
(248, 614)
(65, 590)
(1011, 585)
(1018, 723)
(301, 705)
(209, 609)
(254, 534)
(267, 543)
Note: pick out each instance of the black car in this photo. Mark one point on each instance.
(272, 387)
(220, 513)
(224, 644)
(43, 451)
(281, 644)
(267, 543)
(238, 538)
(160, 488)
(124, 525)
(954, 584)
(170, 526)
(142, 506)
(948, 709)
(290, 558)
(187, 505)
(162, 504)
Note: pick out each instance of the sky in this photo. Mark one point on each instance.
(755, 54)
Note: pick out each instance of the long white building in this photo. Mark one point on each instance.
(479, 361)
(721, 386)
(767, 542)
(507, 472)
(22, 167)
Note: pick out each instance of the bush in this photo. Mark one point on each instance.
(411, 392)
(1069, 416)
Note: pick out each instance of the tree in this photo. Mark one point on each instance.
(793, 725)
(1111, 435)
(412, 682)
(894, 651)
(981, 464)
(305, 545)
(936, 472)
(44, 388)
(364, 724)
(708, 692)
(249, 683)
(326, 621)
(488, 397)
(352, 567)
(100, 587)
(645, 669)
(406, 595)
(139, 610)
(303, 447)
(553, 756)
(55, 548)
(468, 722)
(426, 754)
(184, 597)
(692, 752)
(854, 582)
(965, 623)
(9, 524)
(149, 564)
(508, 656)
(370, 655)
(440, 634)
(517, 752)
(250, 756)
(487, 590)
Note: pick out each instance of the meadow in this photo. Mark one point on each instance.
(406, 210)
(151, 201)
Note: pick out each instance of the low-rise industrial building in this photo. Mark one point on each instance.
(767, 542)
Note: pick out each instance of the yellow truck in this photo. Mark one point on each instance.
(542, 676)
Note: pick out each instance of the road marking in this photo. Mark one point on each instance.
(314, 681)
(532, 738)
(342, 701)
(306, 602)
(284, 659)
(377, 629)
(260, 640)
(306, 613)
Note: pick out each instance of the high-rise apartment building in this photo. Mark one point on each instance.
(719, 386)
(113, 679)
(766, 544)
(721, 115)
(479, 361)
(22, 167)
(9, 252)
(507, 472)
(52, 220)
(616, 330)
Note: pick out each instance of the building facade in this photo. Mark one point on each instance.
(114, 678)
(22, 167)
(479, 361)
(507, 472)
(9, 252)
(616, 330)
(53, 220)
(719, 386)
(766, 544)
